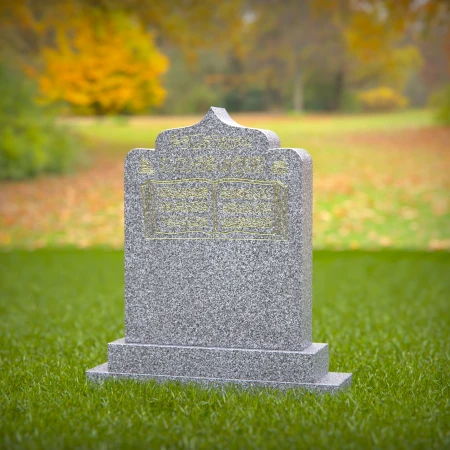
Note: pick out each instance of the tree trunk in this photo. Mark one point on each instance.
(298, 90)
(273, 95)
(336, 102)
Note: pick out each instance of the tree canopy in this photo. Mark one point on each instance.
(112, 56)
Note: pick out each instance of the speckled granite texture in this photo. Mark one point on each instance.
(206, 362)
(330, 383)
(218, 260)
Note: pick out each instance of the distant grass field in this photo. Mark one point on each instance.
(384, 315)
(140, 131)
(380, 181)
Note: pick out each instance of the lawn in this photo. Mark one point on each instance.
(139, 130)
(384, 314)
(380, 181)
(381, 197)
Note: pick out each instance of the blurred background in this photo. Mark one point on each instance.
(363, 85)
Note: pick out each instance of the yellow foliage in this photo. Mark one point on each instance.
(378, 49)
(102, 64)
(382, 99)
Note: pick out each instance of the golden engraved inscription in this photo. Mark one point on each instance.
(232, 208)
(184, 207)
(200, 142)
(246, 222)
(146, 167)
(245, 193)
(237, 165)
(243, 164)
(171, 192)
(279, 167)
(198, 222)
(243, 208)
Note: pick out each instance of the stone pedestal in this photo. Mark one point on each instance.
(307, 368)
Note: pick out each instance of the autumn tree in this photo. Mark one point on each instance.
(381, 39)
(188, 25)
(102, 56)
(284, 50)
(104, 65)
(98, 63)
(353, 45)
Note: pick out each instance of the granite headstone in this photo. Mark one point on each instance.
(218, 261)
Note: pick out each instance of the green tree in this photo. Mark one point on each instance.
(30, 142)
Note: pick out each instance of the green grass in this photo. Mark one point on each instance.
(380, 180)
(384, 314)
(142, 131)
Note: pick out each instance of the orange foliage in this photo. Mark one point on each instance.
(101, 63)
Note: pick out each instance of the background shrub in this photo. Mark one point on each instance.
(440, 101)
(382, 99)
(30, 141)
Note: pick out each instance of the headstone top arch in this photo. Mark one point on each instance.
(216, 130)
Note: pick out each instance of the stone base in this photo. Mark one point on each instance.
(331, 382)
(250, 367)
